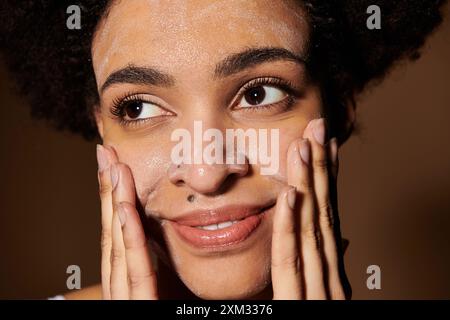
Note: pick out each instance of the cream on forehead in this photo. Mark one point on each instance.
(180, 31)
(234, 8)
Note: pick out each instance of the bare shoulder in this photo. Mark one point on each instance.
(93, 292)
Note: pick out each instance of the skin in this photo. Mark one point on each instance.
(295, 253)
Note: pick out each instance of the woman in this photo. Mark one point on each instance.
(139, 71)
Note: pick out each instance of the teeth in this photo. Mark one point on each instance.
(210, 227)
(216, 226)
(224, 224)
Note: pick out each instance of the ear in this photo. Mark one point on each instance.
(99, 120)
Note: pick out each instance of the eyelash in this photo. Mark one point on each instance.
(119, 104)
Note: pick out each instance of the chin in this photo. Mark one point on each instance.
(229, 279)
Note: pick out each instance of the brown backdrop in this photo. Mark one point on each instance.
(394, 190)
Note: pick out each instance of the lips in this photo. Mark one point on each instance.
(219, 227)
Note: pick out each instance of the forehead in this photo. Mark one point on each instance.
(179, 35)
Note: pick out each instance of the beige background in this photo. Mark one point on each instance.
(394, 190)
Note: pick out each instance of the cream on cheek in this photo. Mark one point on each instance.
(148, 162)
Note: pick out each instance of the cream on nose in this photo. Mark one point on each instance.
(204, 178)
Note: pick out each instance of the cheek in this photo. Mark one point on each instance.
(148, 161)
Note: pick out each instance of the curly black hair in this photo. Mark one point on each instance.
(53, 68)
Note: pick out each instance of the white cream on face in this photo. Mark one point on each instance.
(180, 28)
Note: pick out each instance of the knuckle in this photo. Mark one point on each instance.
(136, 281)
(104, 184)
(287, 262)
(135, 244)
(320, 163)
(105, 240)
(284, 231)
(116, 256)
(305, 185)
(310, 234)
(326, 215)
(104, 190)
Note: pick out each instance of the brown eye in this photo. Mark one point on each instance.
(133, 109)
(138, 110)
(255, 95)
(262, 96)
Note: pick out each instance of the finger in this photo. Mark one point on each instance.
(341, 243)
(105, 158)
(141, 274)
(286, 281)
(299, 176)
(334, 165)
(315, 132)
(322, 163)
(122, 192)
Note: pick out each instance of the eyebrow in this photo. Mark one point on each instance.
(138, 75)
(230, 65)
(252, 57)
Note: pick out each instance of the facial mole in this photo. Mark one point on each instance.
(191, 198)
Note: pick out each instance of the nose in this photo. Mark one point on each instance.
(205, 178)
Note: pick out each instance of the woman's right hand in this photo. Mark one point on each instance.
(127, 270)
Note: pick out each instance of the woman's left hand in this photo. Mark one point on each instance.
(307, 258)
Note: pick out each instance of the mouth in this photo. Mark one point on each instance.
(219, 228)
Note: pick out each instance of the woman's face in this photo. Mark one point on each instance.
(160, 66)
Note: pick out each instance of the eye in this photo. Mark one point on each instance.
(140, 110)
(135, 109)
(262, 95)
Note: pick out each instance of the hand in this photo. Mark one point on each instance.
(127, 270)
(307, 260)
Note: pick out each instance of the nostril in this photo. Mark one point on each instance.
(177, 174)
(179, 183)
(239, 169)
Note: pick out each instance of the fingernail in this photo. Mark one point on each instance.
(305, 151)
(102, 159)
(319, 131)
(291, 197)
(114, 176)
(122, 215)
(333, 150)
